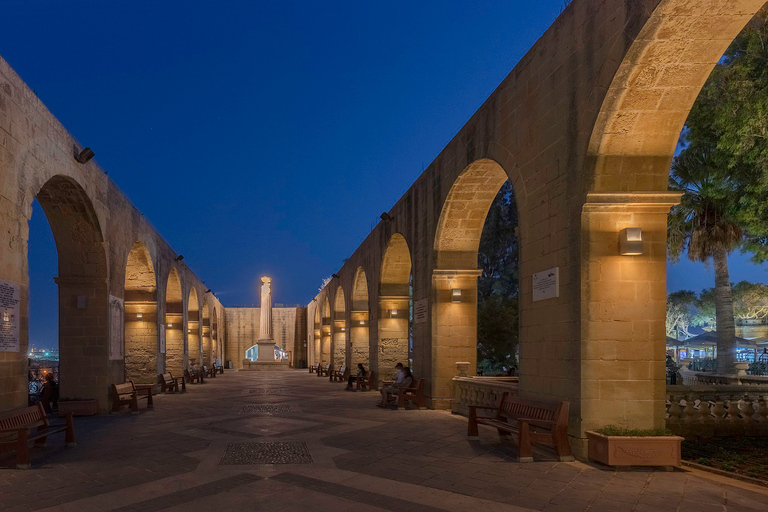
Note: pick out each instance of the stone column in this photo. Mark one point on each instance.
(266, 341)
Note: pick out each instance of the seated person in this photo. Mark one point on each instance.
(353, 378)
(389, 393)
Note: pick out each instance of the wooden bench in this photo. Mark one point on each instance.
(16, 431)
(129, 394)
(413, 394)
(367, 383)
(339, 375)
(170, 383)
(323, 371)
(534, 422)
(219, 368)
(313, 368)
(194, 376)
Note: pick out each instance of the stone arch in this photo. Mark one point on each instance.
(140, 317)
(174, 324)
(206, 334)
(395, 297)
(339, 350)
(457, 239)
(325, 333)
(193, 328)
(359, 336)
(316, 334)
(215, 346)
(83, 294)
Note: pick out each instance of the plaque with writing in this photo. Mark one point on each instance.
(546, 284)
(420, 311)
(10, 306)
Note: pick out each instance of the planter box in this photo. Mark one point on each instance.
(634, 451)
(78, 407)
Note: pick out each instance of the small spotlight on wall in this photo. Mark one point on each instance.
(386, 217)
(179, 257)
(362, 322)
(85, 155)
(392, 313)
(456, 295)
(343, 329)
(336, 276)
(189, 331)
(169, 325)
(208, 290)
(139, 315)
(631, 241)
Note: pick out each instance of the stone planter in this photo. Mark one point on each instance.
(634, 451)
(87, 407)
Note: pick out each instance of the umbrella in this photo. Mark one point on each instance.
(709, 338)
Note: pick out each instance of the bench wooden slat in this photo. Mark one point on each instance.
(128, 394)
(16, 431)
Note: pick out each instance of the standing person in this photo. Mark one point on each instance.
(389, 392)
(353, 378)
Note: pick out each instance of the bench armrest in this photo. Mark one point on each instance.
(9, 430)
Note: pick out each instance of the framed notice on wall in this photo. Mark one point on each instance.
(116, 328)
(420, 311)
(546, 284)
(10, 307)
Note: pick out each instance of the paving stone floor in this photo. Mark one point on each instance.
(326, 449)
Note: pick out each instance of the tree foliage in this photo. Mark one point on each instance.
(682, 310)
(750, 300)
(497, 287)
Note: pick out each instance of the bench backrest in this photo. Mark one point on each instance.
(124, 391)
(514, 407)
(32, 416)
(418, 388)
(342, 370)
(167, 377)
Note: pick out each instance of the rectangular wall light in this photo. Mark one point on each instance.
(139, 315)
(456, 295)
(392, 313)
(631, 242)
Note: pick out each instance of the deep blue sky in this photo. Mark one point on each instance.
(264, 138)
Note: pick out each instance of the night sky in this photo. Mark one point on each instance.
(266, 138)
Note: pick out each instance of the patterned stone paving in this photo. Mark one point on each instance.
(324, 448)
(266, 453)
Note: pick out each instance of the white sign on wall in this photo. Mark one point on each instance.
(116, 329)
(9, 316)
(162, 338)
(420, 311)
(546, 284)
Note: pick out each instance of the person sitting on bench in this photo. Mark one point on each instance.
(353, 378)
(390, 392)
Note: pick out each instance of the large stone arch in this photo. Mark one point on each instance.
(325, 332)
(457, 238)
(394, 305)
(83, 292)
(317, 334)
(174, 324)
(206, 334)
(359, 336)
(193, 328)
(340, 329)
(215, 346)
(140, 317)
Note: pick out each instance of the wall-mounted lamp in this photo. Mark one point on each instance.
(362, 322)
(208, 290)
(343, 329)
(335, 275)
(85, 155)
(139, 315)
(179, 257)
(456, 295)
(189, 331)
(386, 217)
(169, 325)
(392, 313)
(631, 241)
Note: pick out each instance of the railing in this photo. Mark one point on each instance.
(717, 410)
(483, 391)
(717, 379)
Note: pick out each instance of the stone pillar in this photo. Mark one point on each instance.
(393, 334)
(454, 330)
(266, 341)
(623, 310)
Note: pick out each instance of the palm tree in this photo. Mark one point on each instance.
(704, 226)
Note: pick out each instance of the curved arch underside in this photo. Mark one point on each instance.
(140, 315)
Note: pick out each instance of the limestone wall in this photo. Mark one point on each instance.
(242, 331)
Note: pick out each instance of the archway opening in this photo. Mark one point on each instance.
(359, 317)
(193, 328)
(83, 298)
(339, 329)
(325, 341)
(215, 345)
(455, 278)
(317, 334)
(174, 328)
(395, 303)
(140, 316)
(206, 335)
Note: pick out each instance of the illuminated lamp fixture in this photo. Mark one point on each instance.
(631, 241)
(362, 322)
(189, 331)
(169, 325)
(85, 155)
(386, 217)
(335, 275)
(392, 313)
(139, 315)
(456, 295)
(179, 257)
(343, 329)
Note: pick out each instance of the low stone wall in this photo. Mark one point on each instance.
(482, 391)
(717, 410)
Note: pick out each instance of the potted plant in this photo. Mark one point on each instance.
(78, 406)
(618, 446)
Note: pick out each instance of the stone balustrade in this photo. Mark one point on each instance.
(708, 379)
(717, 410)
(483, 391)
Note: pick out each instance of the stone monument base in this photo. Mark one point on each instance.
(264, 366)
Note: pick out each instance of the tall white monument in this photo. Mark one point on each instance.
(265, 360)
